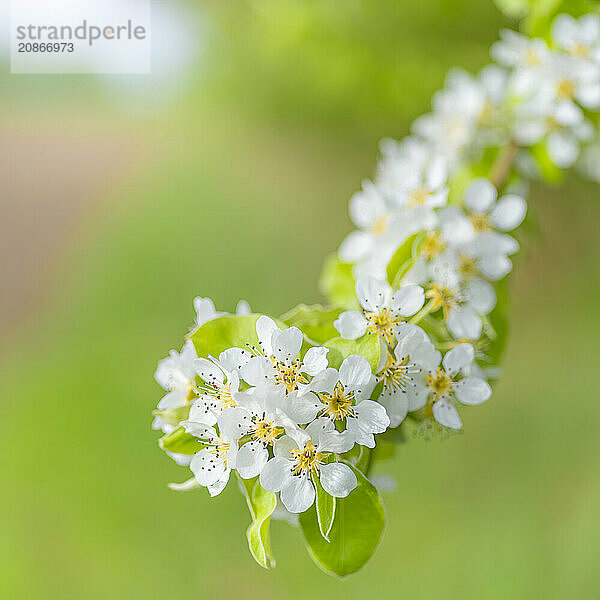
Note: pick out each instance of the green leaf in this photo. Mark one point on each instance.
(315, 321)
(355, 534)
(180, 442)
(368, 346)
(173, 416)
(337, 283)
(513, 8)
(548, 170)
(261, 504)
(225, 332)
(325, 509)
(403, 259)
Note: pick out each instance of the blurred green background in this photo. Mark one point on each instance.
(123, 198)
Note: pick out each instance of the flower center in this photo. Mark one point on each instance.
(433, 245)
(289, 375)
(565, 89)
(532, 57)
(440, 383)
(382, 322)
(338, 405)
(419, 197)
(307, 459)
(467, 267)
(580, 50)
(396, 375)
(380, 225)
(480, 222)
(442, 297)
(191, 393)
(264, 431)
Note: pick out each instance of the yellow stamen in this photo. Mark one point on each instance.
(382, 323)
(467, 267)
(289, 375)
(380, 225)
(418, 197)
(532, 57)
(442, 297)
(266, 432)
(480, 222)
(220, 450)
(440, 383)
(307, 459)
(395, 375)
(565, 89)
(433, 245)
(339, 404)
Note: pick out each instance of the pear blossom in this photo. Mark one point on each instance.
(383, 311)
(344, 397)
(413, 354)
(259, 418)
(276, 363)
(213, 464)
(219, 385)
(438, 389)
(299, 457)
(578, 37)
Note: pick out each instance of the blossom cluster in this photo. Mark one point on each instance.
(420, 333)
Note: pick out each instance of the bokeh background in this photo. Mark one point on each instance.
(226, 173)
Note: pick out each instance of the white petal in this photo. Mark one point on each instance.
(355, 246)
(351, 324)
(207, 469)
(372, 416)
(216, 488)
(302, 409)
(208, 371)
(234, 423)
(464, 322)
(417, 395)
(284, 445)
(337, 479)
(234, 359)
(426, 356)
(563, 149)
(298, 494)
(205, 310)
(286, 344)
(446, 414)
(395, 403)
(458, 358)
(275, 474)
(408, 300)
(495, 267)
(173, 399)
(482, 295)
(373, 294)
(336, 441)
(243, 308)
(509, 212)
(257, 370)
(315, 360)
(265, 326)
(355, 372)
(251, 459)
(472, 390)
(200, 430)
(204, 410)
(480, 195)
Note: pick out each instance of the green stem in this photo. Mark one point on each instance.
(503, 165)
(429, 307)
